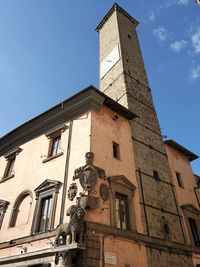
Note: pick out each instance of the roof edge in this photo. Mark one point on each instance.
(190, 155)
(114, 8)
(89, 98)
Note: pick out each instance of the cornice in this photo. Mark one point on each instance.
(88, 99)
(114, 8)
(190, 155)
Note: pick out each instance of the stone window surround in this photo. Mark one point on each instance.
(120, 184)
(10, 156)
(51, 135)
(191, 211)
(46, 189)
(15, 210)
(3, 207)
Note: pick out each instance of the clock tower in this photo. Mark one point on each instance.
(123, 77)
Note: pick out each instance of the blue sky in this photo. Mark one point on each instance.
(49, 51)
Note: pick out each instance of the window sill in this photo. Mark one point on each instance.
(6, 178)
(52, 157)
(117, 158)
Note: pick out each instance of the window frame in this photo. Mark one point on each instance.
(46, 189)
(3, 207)
(179, 180)
(115, 150)
(121, 185)
(9, 167)
(122, 198)
(52, 135)
(194, 229)
(190, 211)
(54, 145)
(43, 200)
(10, 157)
(16, 206)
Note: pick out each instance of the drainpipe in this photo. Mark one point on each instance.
(62, 210)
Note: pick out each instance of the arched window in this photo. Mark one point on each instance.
(21, 209)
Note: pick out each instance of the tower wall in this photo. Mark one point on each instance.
(127, 83)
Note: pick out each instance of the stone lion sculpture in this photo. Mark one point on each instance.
(74, 229)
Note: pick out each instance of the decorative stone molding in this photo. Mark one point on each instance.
(45, 189)
(3, 207)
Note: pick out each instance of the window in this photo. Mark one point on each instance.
(54, 137)
(195, 232)
(45, 214)
(122, 194)
(11, 158)
(21, 209)
(9, 167)
(55, 146)
(46, 200)
(3, 207)
(116, 152)
(121, 211)
(179, 180)
(156, 175)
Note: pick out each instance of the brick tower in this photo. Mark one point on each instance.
(123, 78)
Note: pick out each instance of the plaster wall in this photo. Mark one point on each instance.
(127, 252)
(104, 131)
(30, 172)
(180, 163)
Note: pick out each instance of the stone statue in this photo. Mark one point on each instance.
(72, 230)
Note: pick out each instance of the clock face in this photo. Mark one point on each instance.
(109, 61)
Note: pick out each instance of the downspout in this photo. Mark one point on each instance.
(62, 210)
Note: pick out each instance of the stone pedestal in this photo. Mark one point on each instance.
(64, 254)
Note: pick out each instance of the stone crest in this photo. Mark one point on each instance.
(88, 177)
(89, 173)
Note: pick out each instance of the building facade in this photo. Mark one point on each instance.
(90, 182)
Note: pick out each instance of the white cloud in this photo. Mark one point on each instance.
(195, 73)
(160, 34)
(178, 45)
(196, 41)
(182, 2)
(151, 16)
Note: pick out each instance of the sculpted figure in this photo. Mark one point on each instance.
(74, 229)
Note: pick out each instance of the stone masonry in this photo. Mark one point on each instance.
(127, 83)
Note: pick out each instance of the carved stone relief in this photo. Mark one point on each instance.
(72, 191)
(89, 173)
(104, 191)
